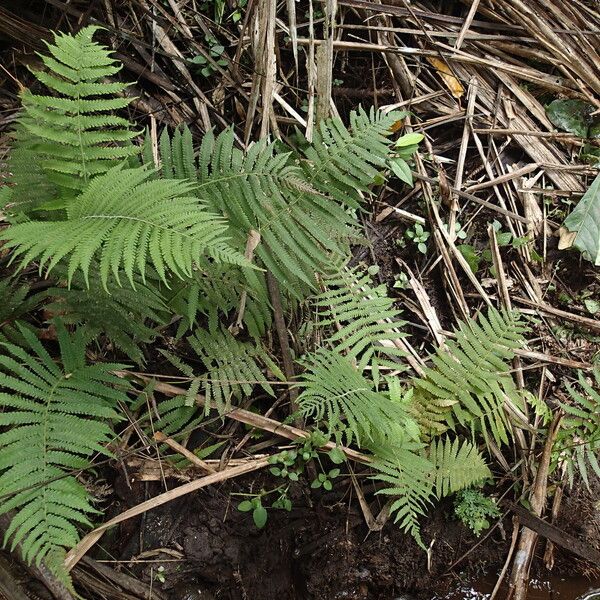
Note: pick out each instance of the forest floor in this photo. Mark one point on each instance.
(477, 78)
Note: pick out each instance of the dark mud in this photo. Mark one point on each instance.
(322, 550)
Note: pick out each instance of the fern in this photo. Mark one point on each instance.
(343, 162)
(406, 476)
(54, 420)
(335, 392)
(579, 436)
(140, 220)
(365, 317)
(15, 303)
(232, 368)
(75, 134)
(121, 316)
(416, 476)
(214, 293)
(456, 466)
(302, 228)
(471, 380)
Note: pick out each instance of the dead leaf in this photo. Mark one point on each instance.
(453, 84)
(567, 238)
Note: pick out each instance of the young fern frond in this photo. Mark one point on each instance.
(336, 393)
(367, 321)
(233, 368)
(579, 436)
(214, 292)
(406, 474)
(471, 382)
(76, 134)
(32, 186)
(416, 476)
(141, 220)
(54, 419)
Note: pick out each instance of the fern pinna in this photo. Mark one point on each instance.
(469, 382)
(55, 418)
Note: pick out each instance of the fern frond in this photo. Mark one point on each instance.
(74, 134)
(32, 187)
(366, 319)
(139, 221)
(343, 162)
(406, 474)
(233, 368)
(120, 315)
(471, 380)
(54, 419)
(578, 440)
(302, 227)
(456, 466)
(335, 392)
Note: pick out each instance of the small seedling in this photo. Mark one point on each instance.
(259, 512)
(216, 51)
(459, 232)
(419, 236)
(324, 480)
(473, 508)
(286, 465)
(160, 574)
(401, 281)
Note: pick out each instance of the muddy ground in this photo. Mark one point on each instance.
(321, 550)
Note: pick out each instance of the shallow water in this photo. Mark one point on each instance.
(554, 588)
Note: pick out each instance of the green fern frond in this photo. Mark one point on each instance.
(336, 393)
(344, 162)
(456, 466)
(122, 316)
(32, 187)
(406, 474)
(75, 134)
(54, 419)
(471, 381)
(302, 227)
(578, 440)
(15, 302)
(139, 221)
(367, 321)
(233, 368)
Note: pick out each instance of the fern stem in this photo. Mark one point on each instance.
(282, 334)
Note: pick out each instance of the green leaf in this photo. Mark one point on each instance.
(245, 506)
(504, 238)
(336, 456)
(401, 170)
(573, 116)
(470, 256)
(592, 306)
(259, 515)
(409, 139)
(584, 221)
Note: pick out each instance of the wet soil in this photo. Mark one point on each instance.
(322, 549)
